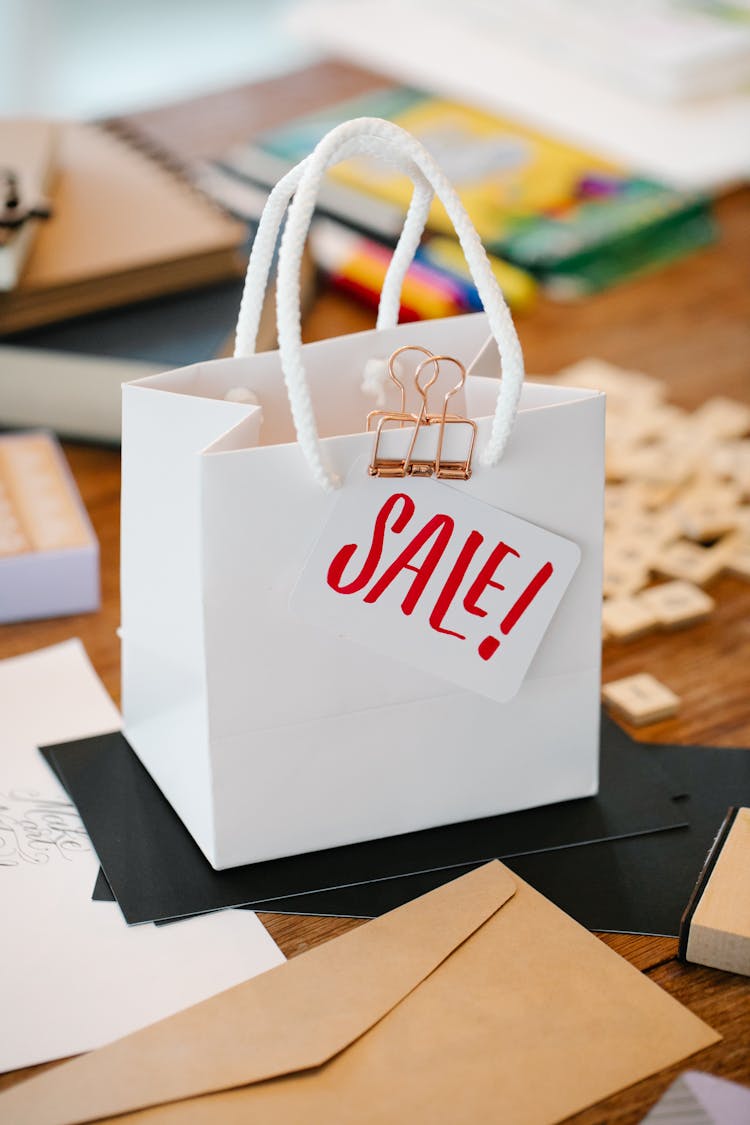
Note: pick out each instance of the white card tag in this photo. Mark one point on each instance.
(424, 573)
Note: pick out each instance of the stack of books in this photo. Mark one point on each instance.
(135, 270)
(572, 220)
(123, 226)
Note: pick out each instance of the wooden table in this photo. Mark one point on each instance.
(688, 324)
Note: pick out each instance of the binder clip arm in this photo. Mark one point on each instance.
(408, 465)
(447, 470)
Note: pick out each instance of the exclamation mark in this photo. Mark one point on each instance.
(490, 645)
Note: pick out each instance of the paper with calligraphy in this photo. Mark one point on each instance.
(73, 975)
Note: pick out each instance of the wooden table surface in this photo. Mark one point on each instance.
(688, 324)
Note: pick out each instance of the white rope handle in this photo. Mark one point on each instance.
(264, 243)
(387, 141)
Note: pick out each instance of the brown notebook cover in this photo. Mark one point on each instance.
(125, 227)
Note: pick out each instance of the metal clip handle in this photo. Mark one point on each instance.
(408, 465)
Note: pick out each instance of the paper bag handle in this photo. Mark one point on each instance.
(264, 243)
(384, 139)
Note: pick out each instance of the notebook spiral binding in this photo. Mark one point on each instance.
(175, 166)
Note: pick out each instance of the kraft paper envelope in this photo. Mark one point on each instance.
(480, 1001)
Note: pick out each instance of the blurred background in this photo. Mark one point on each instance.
(81, 58)
(589, 142)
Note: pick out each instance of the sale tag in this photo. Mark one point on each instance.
(423, 573)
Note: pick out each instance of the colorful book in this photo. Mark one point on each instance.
(576, 221)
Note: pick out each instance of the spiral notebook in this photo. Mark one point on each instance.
(126, 225)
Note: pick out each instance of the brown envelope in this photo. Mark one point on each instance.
(480, 1001)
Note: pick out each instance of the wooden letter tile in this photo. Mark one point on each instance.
(654, 528)
(622, 502)
(731, 459)
(624, 388)
(715, 928)
(737, 560)
(658, 464)
(723, 418)
(640, 699)
(620, 581)
(690, 562)
(629, 552)
(624, 619)
(677, 604)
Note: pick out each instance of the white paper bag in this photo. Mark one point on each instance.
(271, 734)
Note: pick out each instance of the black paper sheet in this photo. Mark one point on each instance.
(157, 871)
(104, 893)
(639, 885)
(102, 890)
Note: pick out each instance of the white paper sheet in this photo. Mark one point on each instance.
(73, 975)
(699, 144)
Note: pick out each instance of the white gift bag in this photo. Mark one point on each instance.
(280, 714)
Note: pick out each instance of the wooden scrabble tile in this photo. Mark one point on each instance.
(621, 386)
(715, 928)
(661, 422)
(742, 525)
(723, 417)
(707, 516)
(624, 619)
(706, 486)
(677, 604)
(622, 501)
(621, 581)
(731, 460)
(740, 467)
(655, 496)
(737, 559)
(690, 562)
(617, 461)
(676, 482)
(657, 463)
(727, 454)
(618, 427)
(640, 699)
(631, 425)
(690, 441)
(628, 552)
(654, 529)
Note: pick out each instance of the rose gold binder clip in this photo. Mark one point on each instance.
(409, 465)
